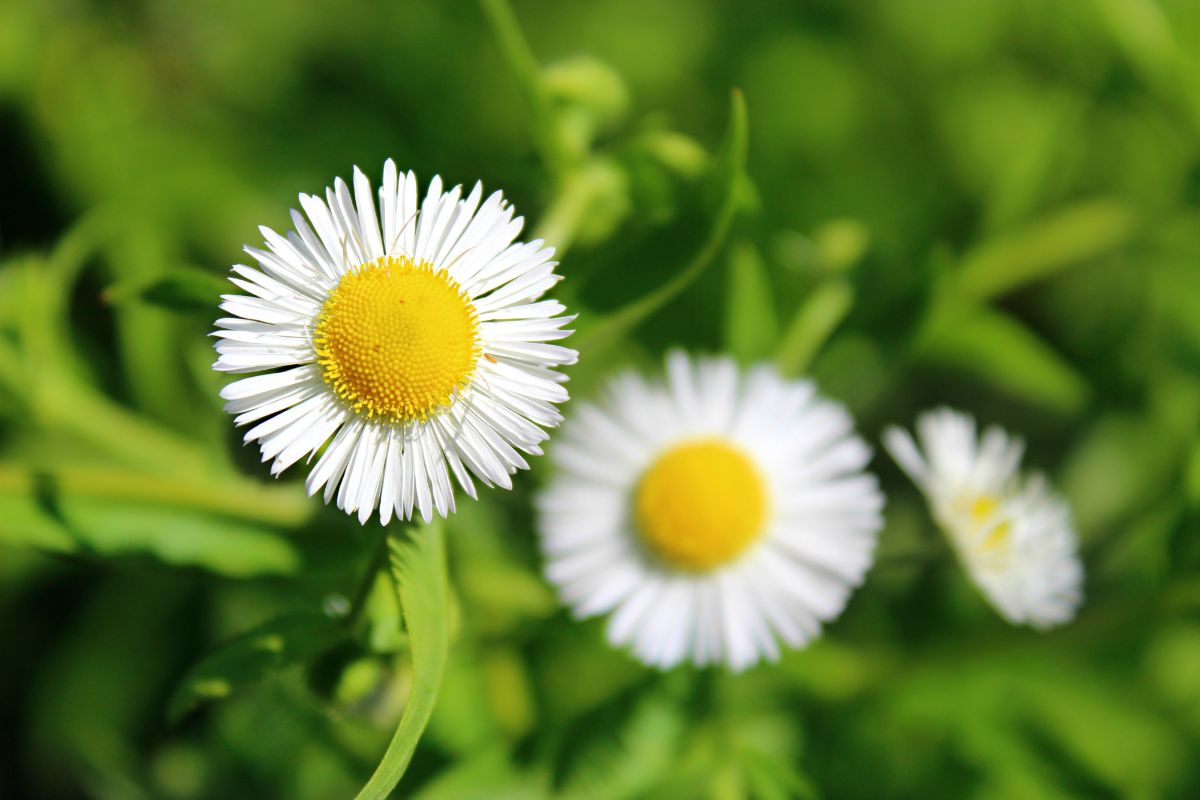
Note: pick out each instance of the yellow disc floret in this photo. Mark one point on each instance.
(982, 511)
(396, 340)
(700, 504)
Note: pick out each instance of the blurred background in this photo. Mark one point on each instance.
(992, 204)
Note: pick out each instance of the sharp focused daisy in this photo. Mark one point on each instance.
(413, 341)
(1013, 535)
(713, 516)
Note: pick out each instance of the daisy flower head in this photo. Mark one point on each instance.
(403, 347)
(1013, 535)
(716, 515)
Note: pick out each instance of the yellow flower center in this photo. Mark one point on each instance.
(981, 510)
(700, 505)
(396, 340)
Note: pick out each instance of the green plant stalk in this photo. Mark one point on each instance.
(419, 571)
(629, 316)
(570, 205)
(812, 326)
(525, 68)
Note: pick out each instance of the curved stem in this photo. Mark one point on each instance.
(525, 68)
(419, 570)
(607, 332)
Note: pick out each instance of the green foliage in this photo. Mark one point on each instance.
(751, 327)
(812, 323)
(989, 204)
(419, 569)
(1074, 235)
(254, 656)
(598, 337)
(1005, 353)
(184, 290)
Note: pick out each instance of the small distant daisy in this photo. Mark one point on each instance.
(1013, 535)
(714, 516)
(412, 341)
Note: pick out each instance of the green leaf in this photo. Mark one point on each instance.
(254, 656)
(506, 592)
(814, 321)
(751, 327)
(730, 169)
(1072, 236)
(1144, 31)
(1081, 710)
(1120, 462)
(48, 519)
(419, 569)
(238, 498)
(773, 778)
(1002, 351)
(487, 775)
(184, 289)
(621, 750)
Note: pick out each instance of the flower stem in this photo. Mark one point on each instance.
(419, 570)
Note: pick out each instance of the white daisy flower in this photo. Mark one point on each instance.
(714, 515)
(413, 341)
(1014, 536)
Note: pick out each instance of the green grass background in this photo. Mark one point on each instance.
(993, 204)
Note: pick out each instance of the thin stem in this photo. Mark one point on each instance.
(575, 198)
(419, 571)
(525, 68)
(623, 320)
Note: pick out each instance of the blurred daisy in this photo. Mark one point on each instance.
(413, 341)
(714, 516)
(1014, 536)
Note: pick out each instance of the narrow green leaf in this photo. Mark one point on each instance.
(1143, 29)
(1001, 350)
(419, 570)
(1070, 237)
(184, 289)
(730, 168)
(751, 325)
(1079, 710)
(40, 511)
(816, 318)
(774, 778)
(486, 775)
(253, 656)
(623, 750)
(233, 497)
(1116, 465)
